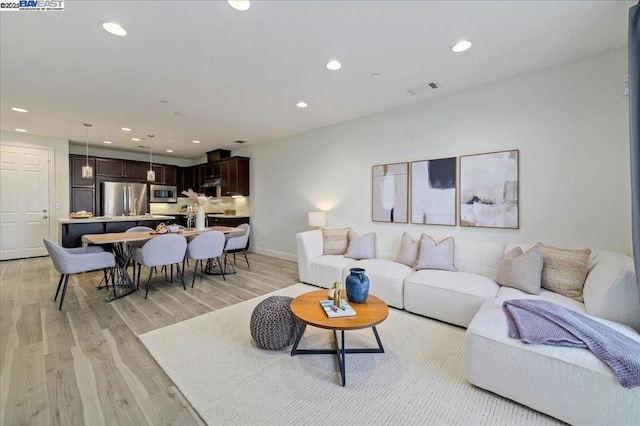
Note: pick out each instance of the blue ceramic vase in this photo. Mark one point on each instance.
(357, 284)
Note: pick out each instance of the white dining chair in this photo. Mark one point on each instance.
(237, 242)
(162, 250)
(72, 261)
(136, 244)
(208, 245)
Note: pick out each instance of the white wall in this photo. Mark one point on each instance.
(75, 148)
(570, 123)
(60, 164)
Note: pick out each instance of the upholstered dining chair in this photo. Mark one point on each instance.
(167, 249)
(136, 244)
(237, 242)
(72, 261)
(208, 245)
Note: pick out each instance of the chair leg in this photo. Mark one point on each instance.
(139, 270)
(172, 273)
(234, 258)
(227, 261)
(59, 285)
(64, 291)
(133, 262)
(181, 275)
(146, 293)
(195, 271)
(221, 268)
(244, 251)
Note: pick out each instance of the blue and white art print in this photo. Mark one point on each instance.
(390, 193)
(489, 190)
(433, 191)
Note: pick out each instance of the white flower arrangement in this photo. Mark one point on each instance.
(200, 199)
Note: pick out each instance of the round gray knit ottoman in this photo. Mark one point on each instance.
(273, 326)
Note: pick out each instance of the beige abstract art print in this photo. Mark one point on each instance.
(390, 192)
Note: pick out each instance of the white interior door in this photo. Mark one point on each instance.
(24, 201)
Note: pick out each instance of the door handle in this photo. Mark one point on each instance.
(44, 210)
(45, 216)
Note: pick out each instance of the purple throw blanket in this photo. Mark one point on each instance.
(540, 321)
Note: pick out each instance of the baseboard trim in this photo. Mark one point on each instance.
(274, 253)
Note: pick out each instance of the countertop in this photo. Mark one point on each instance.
(103, 219)
(224, 216)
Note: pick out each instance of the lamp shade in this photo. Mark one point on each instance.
(317, 219)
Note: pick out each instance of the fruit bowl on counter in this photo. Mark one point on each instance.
(82, 214)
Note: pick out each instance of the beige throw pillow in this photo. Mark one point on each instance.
(436, 255)
(408, 253)
(361, 246)
(564, 270)
(335, 241)
(521, 270)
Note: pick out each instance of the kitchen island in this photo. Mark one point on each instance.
(73, 229)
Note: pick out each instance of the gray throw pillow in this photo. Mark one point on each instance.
(361, 246)
(408, 253)
(335, 241)
(521, 270)
(436, 255)
(564, 270)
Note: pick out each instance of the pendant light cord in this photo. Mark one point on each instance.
(87, 125)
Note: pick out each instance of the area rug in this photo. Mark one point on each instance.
(418, 380)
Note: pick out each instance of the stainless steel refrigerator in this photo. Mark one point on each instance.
(120, 198)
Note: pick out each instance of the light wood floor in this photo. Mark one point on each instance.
(85, 364)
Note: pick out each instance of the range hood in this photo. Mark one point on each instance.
(212, 183)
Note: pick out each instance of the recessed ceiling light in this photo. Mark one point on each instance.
(126, 129)
(107, 142)
(169, 150)
(16, 109)
(135, 139)
(114, 28)
(196, 141)
(302, 104)
(241, 5)
(461, 46)
(334, 65)
(20, 130)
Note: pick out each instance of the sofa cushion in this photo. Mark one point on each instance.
(408, 253)
(434, 255)
(564, 270)
(325, 270)
(386, 279)
(454, 297)
(335, 241)
(478, 257)
(507, 293)
(570, 384)
(361, 246)
(521, 270)
(611, 291)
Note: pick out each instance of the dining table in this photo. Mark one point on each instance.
(121, 245)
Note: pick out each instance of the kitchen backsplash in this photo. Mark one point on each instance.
(240, 205)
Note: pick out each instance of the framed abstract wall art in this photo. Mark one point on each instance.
(433, 191)
(390, 191)
(489, 190)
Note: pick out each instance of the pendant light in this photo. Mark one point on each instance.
(151, 175)
(87, 170)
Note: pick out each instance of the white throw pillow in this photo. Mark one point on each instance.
(361, 246)
(408, 253)
(335, 241)
(436, 255)
(521, 270)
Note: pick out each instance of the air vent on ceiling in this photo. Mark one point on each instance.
(432, 85)
(240, 141)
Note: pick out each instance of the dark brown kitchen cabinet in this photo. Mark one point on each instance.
(109, 168)
(77, 162)
(83, 199)
(185, 179)
(135, 170)
(165, 175)
(234, 173)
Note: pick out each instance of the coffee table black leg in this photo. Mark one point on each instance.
(294, 350)
(342, 361)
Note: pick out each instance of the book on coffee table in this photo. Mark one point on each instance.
(333, 312)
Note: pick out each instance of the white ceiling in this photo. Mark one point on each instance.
(238, 75)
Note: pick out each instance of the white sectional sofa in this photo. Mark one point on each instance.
(570, 384)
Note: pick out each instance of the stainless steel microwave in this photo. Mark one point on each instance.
(163, 194)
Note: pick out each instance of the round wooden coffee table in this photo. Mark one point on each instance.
(307, 309)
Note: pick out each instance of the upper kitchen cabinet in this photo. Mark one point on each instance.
(166, 175)
(77, 162)
(234, 173)
(185, 179)
(113, 168)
